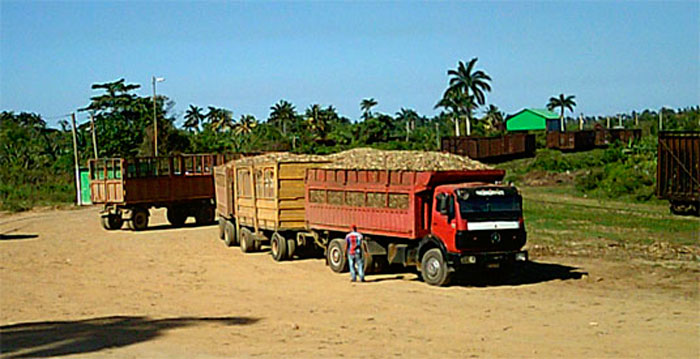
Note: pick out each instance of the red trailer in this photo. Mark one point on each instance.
(129, 187)
(678, 171)
(438, 221)
(509, 146)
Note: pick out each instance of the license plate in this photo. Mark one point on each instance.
(493, 265)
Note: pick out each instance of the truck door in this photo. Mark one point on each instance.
(444, 222)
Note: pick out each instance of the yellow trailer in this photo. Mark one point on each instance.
(268, 201)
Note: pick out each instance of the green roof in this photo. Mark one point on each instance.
(550, 115)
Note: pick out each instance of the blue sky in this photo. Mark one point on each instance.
(246, 56)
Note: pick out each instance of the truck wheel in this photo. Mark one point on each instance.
(434, 269)
(229, 234)
(176, 216)
(336, 256)
(278, 247)
(139, 219)
(222, 228)
(204, 215)
(112, 222)
(246, 239)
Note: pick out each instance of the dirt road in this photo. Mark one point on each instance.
(69, 288)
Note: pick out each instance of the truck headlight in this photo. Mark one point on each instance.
(468, 260)
(521, 257)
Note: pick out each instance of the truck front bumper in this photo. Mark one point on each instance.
(486, 260)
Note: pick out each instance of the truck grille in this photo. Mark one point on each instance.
(509, 239)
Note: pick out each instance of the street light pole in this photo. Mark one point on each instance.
(155, 118)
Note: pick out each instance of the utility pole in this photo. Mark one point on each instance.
(607, 119)
(619, 120)
(580, 123)
(636, 120)
(155, 118)
(661, 119)
(75, 158)
(94, 137)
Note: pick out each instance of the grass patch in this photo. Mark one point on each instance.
(556, 217)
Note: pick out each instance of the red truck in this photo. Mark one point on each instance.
(439, 222)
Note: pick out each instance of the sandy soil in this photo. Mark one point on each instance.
(69, 288)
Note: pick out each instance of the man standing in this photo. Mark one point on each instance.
(353, 241)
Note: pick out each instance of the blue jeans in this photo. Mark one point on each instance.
(360, 262)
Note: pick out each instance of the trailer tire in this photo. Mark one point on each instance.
(229, 234)
(176, 216)
(246, 240)
(204, 215)
(336, 256)
(139, 219)
(112, 222)
(222, 228)
(434, 268)
(291, 247)
(278, 247)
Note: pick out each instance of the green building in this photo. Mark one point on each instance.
(532, 119)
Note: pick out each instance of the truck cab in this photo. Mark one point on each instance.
(475, 225)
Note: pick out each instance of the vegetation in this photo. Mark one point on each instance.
(37, 161)
(563, 103)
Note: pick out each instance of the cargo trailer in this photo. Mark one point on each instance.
(491, 149)
(572, 140)
(128, 188)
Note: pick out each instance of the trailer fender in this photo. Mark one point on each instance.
(427, 243)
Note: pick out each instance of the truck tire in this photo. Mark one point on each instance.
(278, 247)
(204, 215)
(229, 234)
(139, 219)
(336, 256)
(176, 216)
(222, 228)
(246, 240)
(434, 269)
(111, 222)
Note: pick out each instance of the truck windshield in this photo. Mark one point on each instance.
(489, 203)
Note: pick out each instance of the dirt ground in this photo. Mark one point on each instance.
(69, 288)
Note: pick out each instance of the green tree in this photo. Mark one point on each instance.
(316, 121)
(457, 104)
(282, 114)
(193, 117)
(493, 119)
(563, 103)
(409, 118)
(366, 107)
(470, 86)
(246, 125)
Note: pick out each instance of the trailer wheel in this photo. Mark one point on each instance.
(139, 219)
(176, 216)
(229, 234)
(112, 222)
(278, 247)
(204, 215)
(434, 269)
(291, 247)
(336, 256)
(222, 228)
(246, 240)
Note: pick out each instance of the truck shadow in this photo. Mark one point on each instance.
(166, 226)
(527, 273)
(59, 338)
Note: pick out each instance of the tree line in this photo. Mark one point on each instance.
(37, 160)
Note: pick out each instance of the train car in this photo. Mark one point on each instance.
(678, 171)
(571, 140)
(491, 149)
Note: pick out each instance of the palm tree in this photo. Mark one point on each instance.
(563, 102)
(409, 117)
(281, 114)
(193, 117)
(493, 118)
(366, 107)
(316, 122)
(472, 84)
(450, 103)
(246, 125)
(220, 118)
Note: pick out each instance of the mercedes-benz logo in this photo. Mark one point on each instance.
(495, 237)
